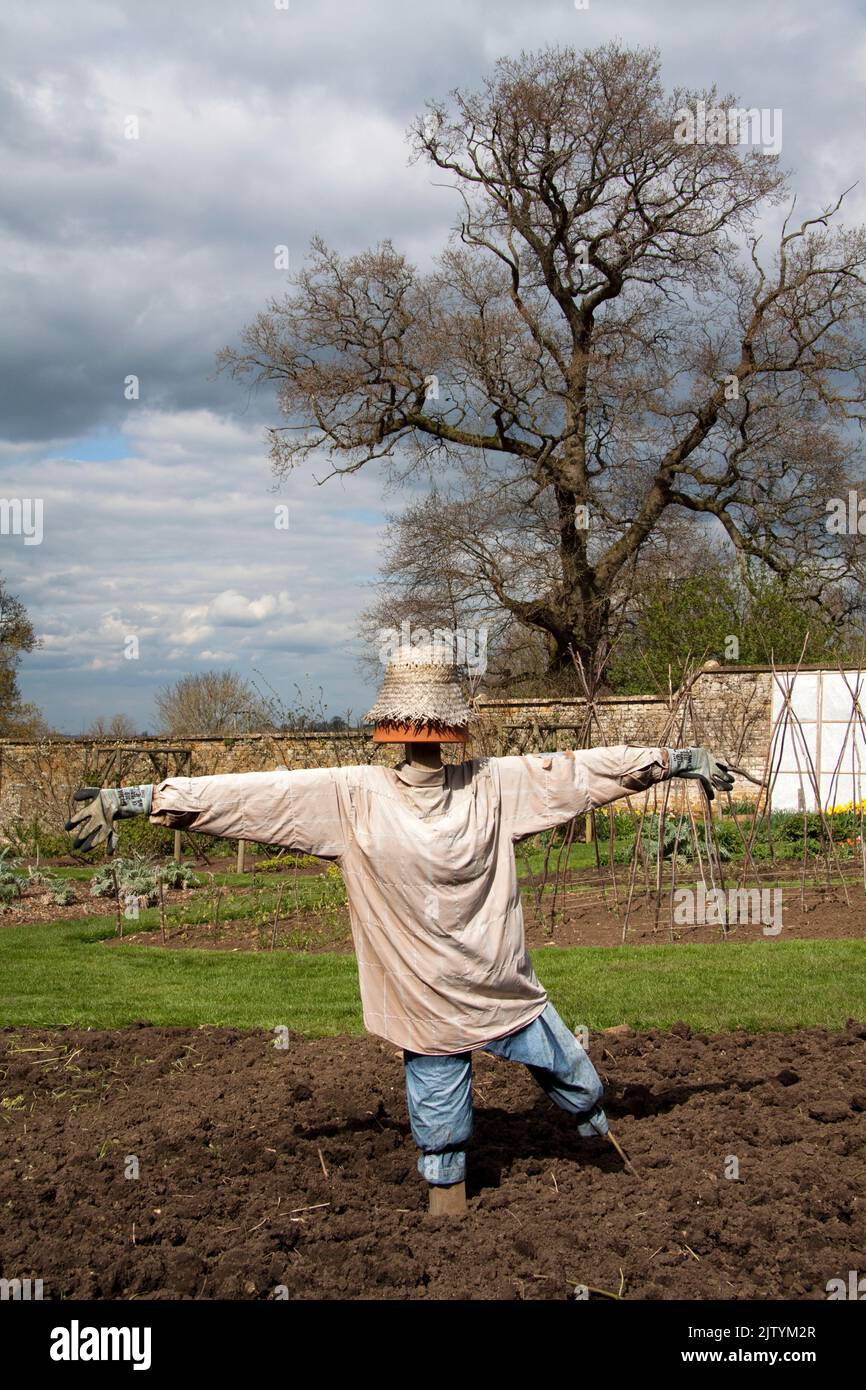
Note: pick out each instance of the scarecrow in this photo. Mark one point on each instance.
(427, 854)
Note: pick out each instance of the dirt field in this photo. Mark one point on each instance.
(591, 919)
(261, 1168)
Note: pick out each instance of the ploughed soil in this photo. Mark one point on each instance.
(269, 1172)
(596, 917)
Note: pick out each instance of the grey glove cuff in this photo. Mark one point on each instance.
(135, 801)
(680, 760)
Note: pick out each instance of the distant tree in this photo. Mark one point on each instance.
(718, 613)
(212, 702)
(17, 719)
(25, 721)
(118, 726)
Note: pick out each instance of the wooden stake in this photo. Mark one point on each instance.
(161, 908)
(117, 907)
(276, 917)
(216, 900)
(624, 1156)
(447, 1201)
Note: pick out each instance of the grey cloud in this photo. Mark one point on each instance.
(261, 127)
(147, 256)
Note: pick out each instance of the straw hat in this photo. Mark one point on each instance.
(420, 700)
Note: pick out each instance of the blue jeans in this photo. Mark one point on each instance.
(439, 1092)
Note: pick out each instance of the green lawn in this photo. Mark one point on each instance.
(64, 975)
(51, 975)
(761, 986)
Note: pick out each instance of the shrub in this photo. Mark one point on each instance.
(58, 846)
(286, 857)
(176, 875)
(283, 862)
(29, 839)
(11, 880)
(788, 826)
(139, 836)
(62, 893)
(678, 836)
(728, 838)
(135, 878)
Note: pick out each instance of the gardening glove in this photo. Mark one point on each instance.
(699, 763)
(105, 805)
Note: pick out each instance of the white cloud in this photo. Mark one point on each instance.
(235, 610)
(192, 565)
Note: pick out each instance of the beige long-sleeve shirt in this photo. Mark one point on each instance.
(428, 861)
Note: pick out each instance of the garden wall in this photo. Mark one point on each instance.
(729, 709)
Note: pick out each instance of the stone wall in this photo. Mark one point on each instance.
(37, 778)
(728, 709)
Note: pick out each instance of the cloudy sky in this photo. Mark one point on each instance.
(261, 123)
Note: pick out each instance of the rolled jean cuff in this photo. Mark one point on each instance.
(593, 1124)
(443, 1170)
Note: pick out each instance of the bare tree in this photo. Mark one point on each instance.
(603, 343)
(211, 702)
(119, 726)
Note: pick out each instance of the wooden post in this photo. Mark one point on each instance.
(447, 1201)
(242, 845)
(177, 845)
(117, 908)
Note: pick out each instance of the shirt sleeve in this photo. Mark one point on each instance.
(301, 810)
(540, 790)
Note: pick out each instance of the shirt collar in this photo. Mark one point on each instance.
(417, 776)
